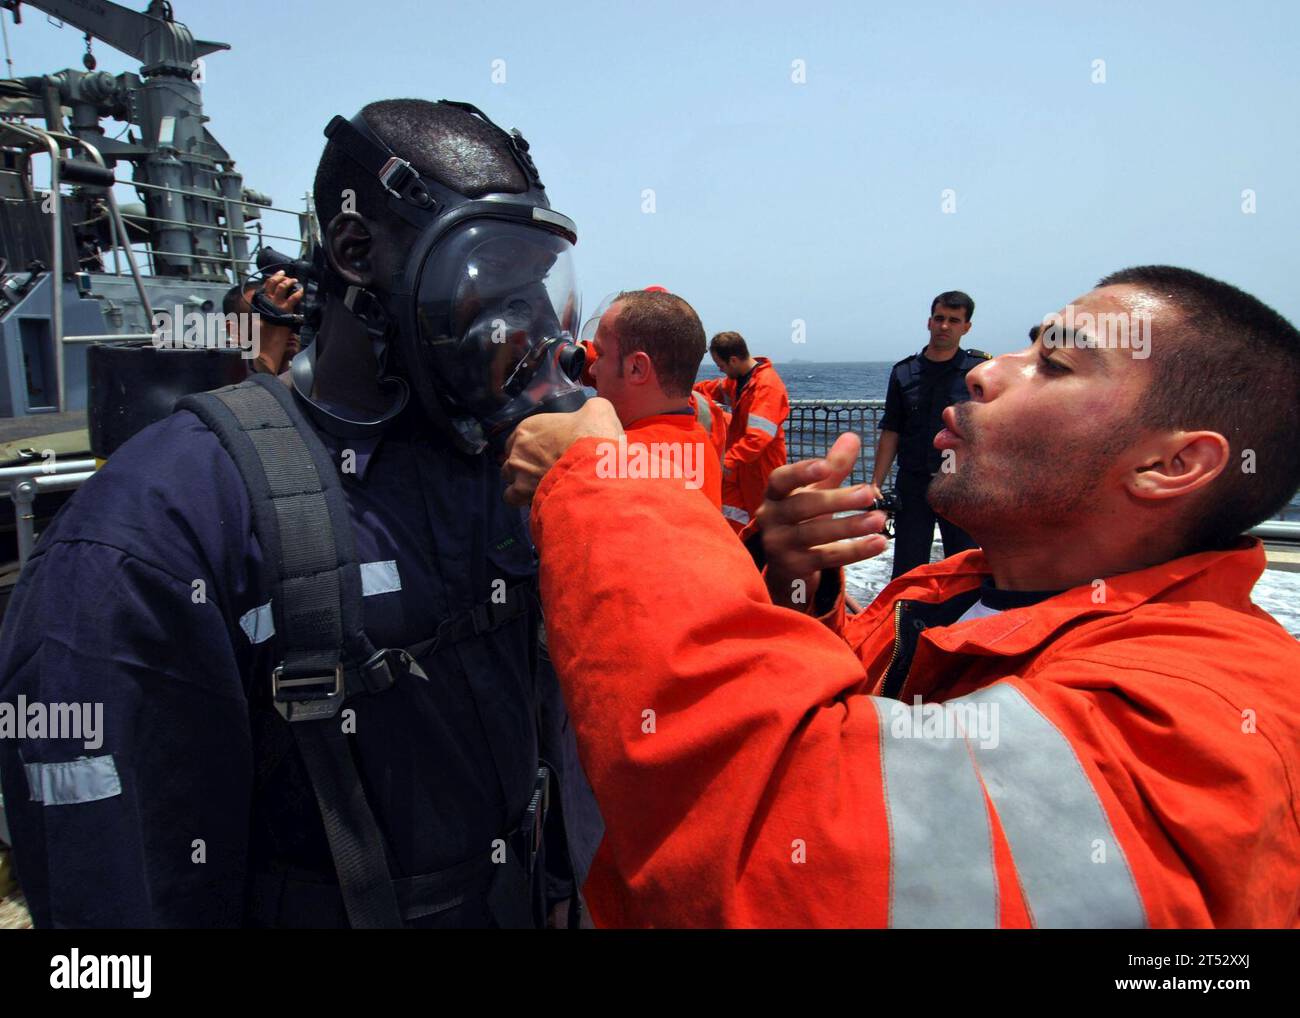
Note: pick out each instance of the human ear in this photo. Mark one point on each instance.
(1179, 463)
(349, 245)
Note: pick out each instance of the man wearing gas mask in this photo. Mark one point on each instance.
(305, 608)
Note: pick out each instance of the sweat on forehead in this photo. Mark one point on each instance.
(1105, 324)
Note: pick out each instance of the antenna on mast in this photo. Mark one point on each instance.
(5, 30)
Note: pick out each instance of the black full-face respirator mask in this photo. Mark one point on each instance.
(483, 313)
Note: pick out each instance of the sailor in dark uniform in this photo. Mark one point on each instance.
(325, 693)
(920, 388)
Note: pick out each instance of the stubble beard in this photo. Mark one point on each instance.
(1037, 482)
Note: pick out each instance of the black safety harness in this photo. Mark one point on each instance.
(326, 659)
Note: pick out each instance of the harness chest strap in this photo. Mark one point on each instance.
(327, 657)
(384, 667)
(316, 603)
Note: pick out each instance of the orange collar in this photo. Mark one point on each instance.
(1222, 577)
(684, 421)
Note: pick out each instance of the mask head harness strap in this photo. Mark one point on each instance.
(410, 196)
(518, 144)
(420, 202)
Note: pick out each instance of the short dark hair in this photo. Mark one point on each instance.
(236, 297)
(1235, 370)
(728, 345)
(667, 329)
(954, 299)
(446, 143)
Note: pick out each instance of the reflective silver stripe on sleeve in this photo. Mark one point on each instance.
(1071, 866)
(762, 424)
(258, 623)
(379, 578)
(940, 842)
(732, 513)
(702, 412)
(86, 779)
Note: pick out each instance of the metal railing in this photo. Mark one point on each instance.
(24, 482)
(237, 266)
(53, 143)
(814, 424)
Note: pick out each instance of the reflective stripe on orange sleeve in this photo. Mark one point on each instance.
(1072, 868)
(940, 847)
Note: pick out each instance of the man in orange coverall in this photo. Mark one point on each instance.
(1122, 749)
(755, 435)
(713, 419)
(643, 358)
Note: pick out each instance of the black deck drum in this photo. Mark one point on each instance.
(133, 384)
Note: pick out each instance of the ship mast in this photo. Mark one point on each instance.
(196, 226)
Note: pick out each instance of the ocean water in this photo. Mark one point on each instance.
(866, 380)
(850, 380)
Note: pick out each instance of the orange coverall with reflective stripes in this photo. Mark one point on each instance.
(755, 438)
(681, 441)
(711, 419)
(1143, 768)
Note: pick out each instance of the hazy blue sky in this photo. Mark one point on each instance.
(818, 201)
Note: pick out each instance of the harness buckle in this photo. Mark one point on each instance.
(382, 668)
(312, 697)
(401, 180)
(359, 301)
(395, 174)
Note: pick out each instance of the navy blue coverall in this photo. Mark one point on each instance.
(144, 594)
(919, 391)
